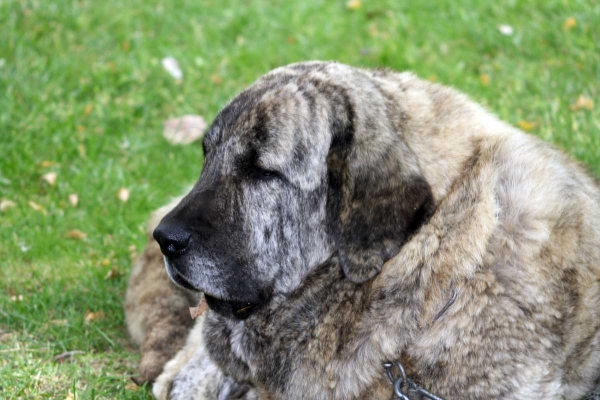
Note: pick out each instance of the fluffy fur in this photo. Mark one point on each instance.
(342, 208)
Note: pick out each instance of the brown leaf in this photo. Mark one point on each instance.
(195, 312)
(93, 316)
(123, 194)
(88, 109)
(73, 199)
(67, 355)
(485, 79)
(112, 273)
(6, 204)
(81, 150)
(70, 396)
(184, 130)
(105, 262)
(582, 103)
(131, 386)
(50, 177)
(353, 5)
(48, 164)
(37, 207)
(76, 234)
(569, 24)
(216, 79)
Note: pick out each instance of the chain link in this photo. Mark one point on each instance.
(402, 384)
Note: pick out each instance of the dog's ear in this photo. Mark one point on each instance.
(377, 198)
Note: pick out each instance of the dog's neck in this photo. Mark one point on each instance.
(444, 129)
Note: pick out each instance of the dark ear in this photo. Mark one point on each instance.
(376, 200)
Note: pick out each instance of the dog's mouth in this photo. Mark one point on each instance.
(229, 308)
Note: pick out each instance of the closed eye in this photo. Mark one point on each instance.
(262, 174)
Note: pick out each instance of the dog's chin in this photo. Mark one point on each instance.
(230, 308)
(235, 309)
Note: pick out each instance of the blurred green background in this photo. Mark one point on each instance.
(83, 95)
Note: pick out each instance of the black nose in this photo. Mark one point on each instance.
(173, 240)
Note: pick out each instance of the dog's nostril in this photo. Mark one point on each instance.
(172, 240)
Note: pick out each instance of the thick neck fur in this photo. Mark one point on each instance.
(339, 333)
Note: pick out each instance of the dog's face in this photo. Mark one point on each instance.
(292, 175)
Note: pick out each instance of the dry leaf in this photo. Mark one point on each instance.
(105, 262)
(526, 125)
(125, 45)
(123, 194)
(73, 199)
(81, 150)
(50, 177)
(67, 355)
(131, 386)
(16, 298)
(195, 312)
(88, 109)
(353, 4)
(569, 24)
(373, 29)
(506, 30)
(47, 164)
(582, 103)
(485, 79)
(184, 130)
(76, 234)
(92, 316)
(216, 79)
(70, 396)
(291, 40)
(37, 207)
(171, 65)
(5, 204)
(112, 273)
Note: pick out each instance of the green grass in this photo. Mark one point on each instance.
(81, 86)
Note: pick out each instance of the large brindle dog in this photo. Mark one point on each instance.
(346, 218)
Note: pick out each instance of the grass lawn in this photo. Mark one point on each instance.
(83, 94)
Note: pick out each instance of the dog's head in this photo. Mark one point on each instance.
(307, 162)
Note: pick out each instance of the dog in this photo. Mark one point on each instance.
(348, 219)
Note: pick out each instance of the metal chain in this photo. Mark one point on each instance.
(402, 382)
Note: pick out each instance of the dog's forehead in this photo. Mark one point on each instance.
(277, 120)
(281, 93)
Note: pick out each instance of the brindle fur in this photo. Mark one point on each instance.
(390, 194)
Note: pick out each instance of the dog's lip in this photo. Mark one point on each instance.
(179, 278)
(240, 309)
(184, 282)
